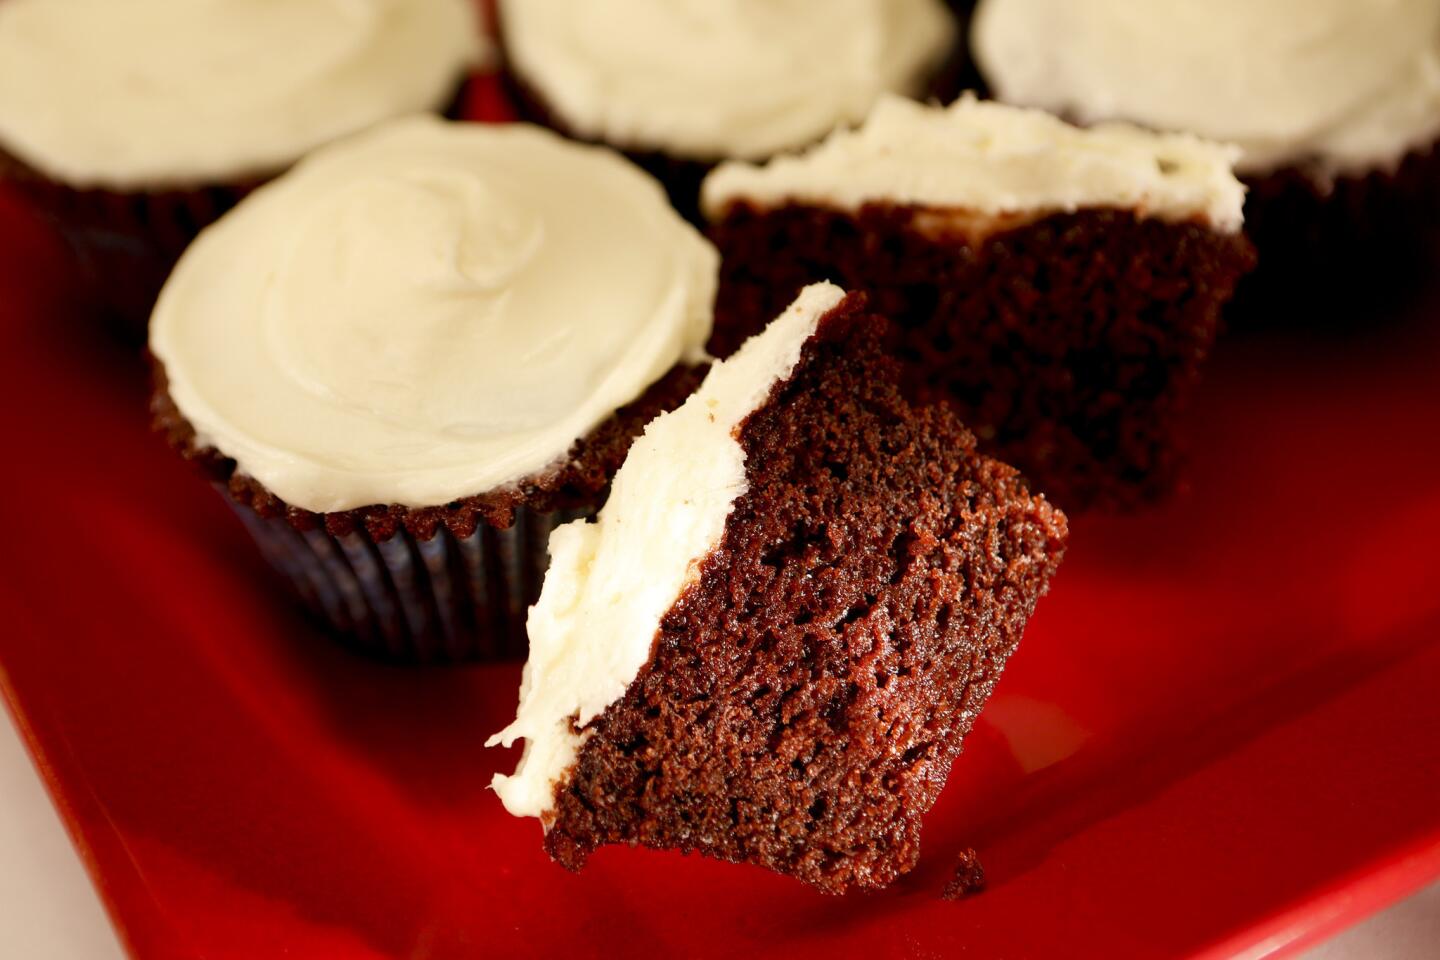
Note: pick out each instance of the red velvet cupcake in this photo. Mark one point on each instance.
(410, 356)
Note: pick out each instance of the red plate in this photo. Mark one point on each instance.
(1221, 735)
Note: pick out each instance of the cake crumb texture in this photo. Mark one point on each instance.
(809, 690)
(969, 877)
(1069, 344)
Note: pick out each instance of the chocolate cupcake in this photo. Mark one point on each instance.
(772, 643)
(1060, 287)
(681, 86)
(1335, 105)
(133, 125)
(412, 355)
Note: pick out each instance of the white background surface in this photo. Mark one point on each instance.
(48, 910)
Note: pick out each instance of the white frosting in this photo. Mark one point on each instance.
(429, 311)
(1353, 84)
(139, 93)
(987, 158)
(611, 581)
(708, 79)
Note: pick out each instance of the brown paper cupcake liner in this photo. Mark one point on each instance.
(445, 599)
(444, 583)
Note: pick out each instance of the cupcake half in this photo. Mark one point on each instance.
(1335, 105)
(771, 643)
(1059, 287)
(416, 352)
(681, 86)
(133, 125)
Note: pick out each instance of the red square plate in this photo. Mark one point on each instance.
(1220, 737)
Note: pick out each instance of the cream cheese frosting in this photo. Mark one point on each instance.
(429, 311)
(138, 93)
(1348, 84)
(710, 79)
(988, 158)
(611, 580)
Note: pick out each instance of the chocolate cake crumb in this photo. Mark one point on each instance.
(969, 878)
(807, 693)
(1069, 344)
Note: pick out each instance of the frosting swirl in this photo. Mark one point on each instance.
(429, 311)
(1353, 84)
(709, 79)
(139, 93)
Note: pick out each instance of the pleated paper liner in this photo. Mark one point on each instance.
(445, 599)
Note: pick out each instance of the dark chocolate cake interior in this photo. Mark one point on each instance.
(808, 692)
(1068, 344)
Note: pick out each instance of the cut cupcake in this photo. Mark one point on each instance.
(683, 85)
(134, 124)
(1335, 105)
(1059, 287)
(771, 643)
(413, 354)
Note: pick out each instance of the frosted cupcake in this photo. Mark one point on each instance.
(1061, 287)
(683, 85)
(411, 356)
(1335, 105)
(134, 123)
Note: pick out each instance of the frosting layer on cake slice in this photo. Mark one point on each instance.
(990, 159)
(611, 581)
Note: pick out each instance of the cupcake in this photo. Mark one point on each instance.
(409, 357)
(1335, 105)
(133, 124)
(772, 643)
(1060, 287)
(682, 85)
